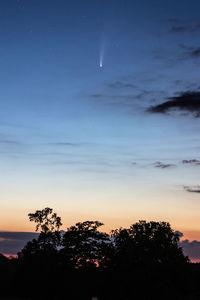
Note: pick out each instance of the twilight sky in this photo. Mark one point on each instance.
(117, 143)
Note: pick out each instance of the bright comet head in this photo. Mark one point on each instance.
(101, 57)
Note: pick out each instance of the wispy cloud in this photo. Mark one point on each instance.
(195, 52)
(192, 189)
(190, 51)
(136, 100)
(123, 100)
(121, 85)
(162, 165)
(182, 26)
(9, 142)
(191, 161)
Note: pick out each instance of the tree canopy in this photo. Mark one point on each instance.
(147, 243)
(83, 245)
(45, 220)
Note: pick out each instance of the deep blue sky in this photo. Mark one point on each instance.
(91, 142)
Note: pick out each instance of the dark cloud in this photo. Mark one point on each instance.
(191, 161)
(195, 52)
(190, 52)
(161, 165)
(191, 249)
(192, 189)
(12, 242)
(187, 101)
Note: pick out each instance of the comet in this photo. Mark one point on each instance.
(101, 62)
(101, 56)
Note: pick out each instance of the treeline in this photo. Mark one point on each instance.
(82, 262)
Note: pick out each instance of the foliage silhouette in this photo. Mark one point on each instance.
(84, 246)
(44, 248)
(46, 220)
(147, 243)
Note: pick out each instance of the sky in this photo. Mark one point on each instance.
(100, 113)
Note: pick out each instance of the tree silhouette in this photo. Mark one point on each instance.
(49, 238)
(46, 220)
(85, 246)
(147, 243)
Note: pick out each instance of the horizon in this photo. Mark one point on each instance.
(11, 243)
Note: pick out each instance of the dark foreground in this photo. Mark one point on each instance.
(153, 282)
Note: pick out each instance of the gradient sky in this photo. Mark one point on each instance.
(89, 141)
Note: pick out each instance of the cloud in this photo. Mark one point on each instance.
(9, 142)
(139, 92)
(184, 28)
(123, 101)
(195, 52)
(161, 165)
(191, 161)
(179, 29)
(12, 242)
(191, 249)
(192, 189)
(129, 93)
(121, 84)
(190, 52)
(135, 100)
(182, 25)
(188, 101)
